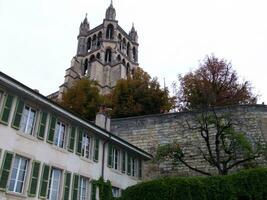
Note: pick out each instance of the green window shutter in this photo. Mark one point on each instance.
(93, 192)
(123, 162)
(44, 181)
(67, 180)
(42, 125)
(129, 164)
(75, 187)
(72, 139)
(140, 169)
(18, 114)
(51, 132)
(110, 156)
(79, 142)
(7, 108)
(32, 190)
(5, 170)
(96, 149)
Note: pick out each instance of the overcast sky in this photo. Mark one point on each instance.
(38, 38)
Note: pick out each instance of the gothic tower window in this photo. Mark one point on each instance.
(89, 44)
(92, 58)
(110, 31)
(94, 42)
(108, 56)
(98, 56)
(123, 62)
(134, 54)
(128, 69)
(123, 45)
(85, 67)
(128, 49)
(99, 39)
(118, 58)
(120, 44)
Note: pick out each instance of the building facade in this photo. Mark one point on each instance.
(105, 54)
(47, 152)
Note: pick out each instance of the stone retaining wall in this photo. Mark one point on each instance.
(147, 132)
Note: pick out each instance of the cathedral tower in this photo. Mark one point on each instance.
(105, 54)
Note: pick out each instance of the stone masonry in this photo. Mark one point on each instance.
(147, 132)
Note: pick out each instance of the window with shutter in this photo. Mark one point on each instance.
(18, 114)
(129, 164)
(51, 132)
(67, 180)
(75, 187)
(28, 120)
(60, 134)
(83, 188)
(140, 169)
(18, 174)
(6, 109)
(72, 139)
(96, 149)
(54, 184)
(42, 126)
(93, 191)
(79, 142)
(86, 145)
(32, 190)
(5, 170)
(44, 181)
(110, 156)
(123, 162)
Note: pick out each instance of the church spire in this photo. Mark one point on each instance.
(84, 27)
(133, 34)
(111, 12)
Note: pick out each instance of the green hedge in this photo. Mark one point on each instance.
(244, 185)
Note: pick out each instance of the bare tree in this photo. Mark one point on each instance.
(223, 147)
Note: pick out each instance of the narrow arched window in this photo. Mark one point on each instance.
(98, 56)
(99, 39)
(134, 54)
(128, 69)
(123, 61)
(108, 56)
(120, 42)
(92, 58)
(128, 49)
(94, 42)
(118, 58)
(89, 44)
(85, 67)
(110, 31)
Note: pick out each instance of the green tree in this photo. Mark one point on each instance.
(83, 98)
(139, 95)
(214, 83)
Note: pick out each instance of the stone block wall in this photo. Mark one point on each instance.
(147, 132)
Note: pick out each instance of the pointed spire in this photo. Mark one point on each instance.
(133, 34)
(111, 12)
(84, 27)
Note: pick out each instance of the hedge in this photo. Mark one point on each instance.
(244, 185)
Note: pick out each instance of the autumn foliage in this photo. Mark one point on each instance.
(139, 95)
(83, 98)
(214, 83)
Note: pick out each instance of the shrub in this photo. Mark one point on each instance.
(244, 185)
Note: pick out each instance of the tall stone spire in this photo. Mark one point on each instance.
(84, 27)
(111, 12)
(133, 34)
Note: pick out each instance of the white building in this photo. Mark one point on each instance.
(47, 152)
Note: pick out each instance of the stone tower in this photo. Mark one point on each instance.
(105, 54)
